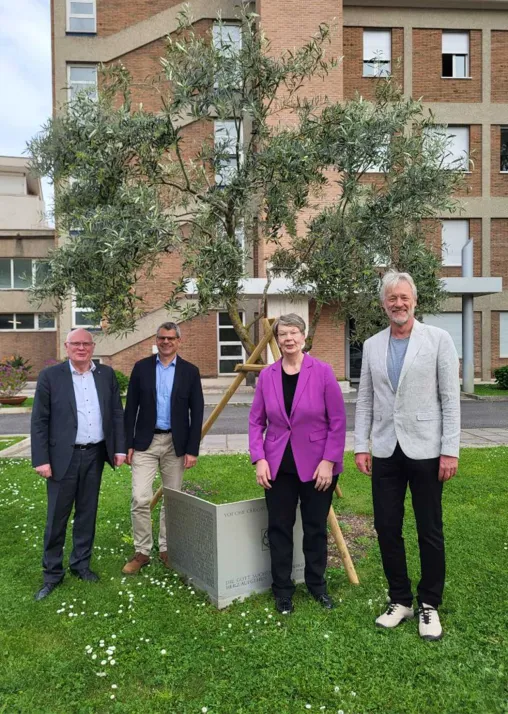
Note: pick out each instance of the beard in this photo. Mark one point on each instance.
(401, 318)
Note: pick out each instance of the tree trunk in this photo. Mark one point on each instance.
(313, 326)
(240, 328)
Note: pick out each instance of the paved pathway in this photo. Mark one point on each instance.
(239, 443)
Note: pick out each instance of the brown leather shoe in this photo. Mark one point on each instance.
(163, 557)
(135, 564)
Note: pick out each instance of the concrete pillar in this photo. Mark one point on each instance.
(467, 323)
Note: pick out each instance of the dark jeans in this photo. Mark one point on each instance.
(79, 487)
(281, 502)
(390, 478)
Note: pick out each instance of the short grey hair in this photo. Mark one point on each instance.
(169, 326)
(290, 320)
(393, 278)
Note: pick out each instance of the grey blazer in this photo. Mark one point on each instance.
(423, 415)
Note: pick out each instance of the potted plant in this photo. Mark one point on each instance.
(12, 380)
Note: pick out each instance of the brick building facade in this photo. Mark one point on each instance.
(450, 54)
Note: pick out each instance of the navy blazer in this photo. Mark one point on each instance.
(55, 419)
(187, 406)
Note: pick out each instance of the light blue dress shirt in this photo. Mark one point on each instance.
(90, 429)
(164, 380)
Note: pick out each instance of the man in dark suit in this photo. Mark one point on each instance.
(163, 420)
(77, 425)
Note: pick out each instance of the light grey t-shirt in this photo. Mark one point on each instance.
(395, 359)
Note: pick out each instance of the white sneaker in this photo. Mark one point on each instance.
(429, 625)
(394, 615)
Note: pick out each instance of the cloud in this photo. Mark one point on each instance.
(25, 74)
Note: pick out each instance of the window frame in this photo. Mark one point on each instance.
(75, 309)
(227, 343)
(70, 15)
(454, 56)
(35, 328)
(80, 65)
(385, 65)
(503, 325)
(448, 221)
(501, 129)
(35, 261)
(230, 156)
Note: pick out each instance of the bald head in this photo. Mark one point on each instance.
(80, 346)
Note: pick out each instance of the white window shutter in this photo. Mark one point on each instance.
(455, 43)
(454, 236)
(377, 45)
(452, 323)
(503, 334)
(458, 147)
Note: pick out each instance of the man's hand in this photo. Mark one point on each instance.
(128, 458)
(119, 460)
(323, 475)
(447, 467)
(189, 461)
(44, 470)
(363, 463)
(263, 473)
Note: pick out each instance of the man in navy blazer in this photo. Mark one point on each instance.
(77, 425)
(163, 420)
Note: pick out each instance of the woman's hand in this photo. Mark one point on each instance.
(263, 473)
(323, 475)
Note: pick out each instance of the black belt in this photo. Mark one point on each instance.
(82, 447)
(162, 431)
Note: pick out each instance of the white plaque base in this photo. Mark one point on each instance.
(223, 548)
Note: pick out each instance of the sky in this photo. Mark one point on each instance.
(25, 75)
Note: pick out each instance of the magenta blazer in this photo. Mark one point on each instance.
(316, 427)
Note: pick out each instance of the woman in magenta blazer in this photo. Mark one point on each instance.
(299, 405)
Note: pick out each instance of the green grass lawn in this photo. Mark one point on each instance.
(176, 654)
(490, 390)
(7, 441)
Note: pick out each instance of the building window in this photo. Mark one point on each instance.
(231, 351)
(377, 53)
(452, 323)
(22, 322)
(228, 138)
(454, 236)
(453, 143)
(21, 273)
(82, 78)
(81, 317)
(455, 54)
(504, 148)
(227, 40)
(503, 334)
(13, 185)
(81, 16)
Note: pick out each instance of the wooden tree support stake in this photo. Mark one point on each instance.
(250, 366)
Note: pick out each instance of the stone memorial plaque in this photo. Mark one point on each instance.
(223, 548)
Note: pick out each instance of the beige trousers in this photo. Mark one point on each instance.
(159, 455)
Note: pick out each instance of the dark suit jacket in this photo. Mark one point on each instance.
(187, 406)
(55, 420)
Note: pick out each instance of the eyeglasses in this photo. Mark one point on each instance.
(289, 335)
(167, 339)
(80, 344)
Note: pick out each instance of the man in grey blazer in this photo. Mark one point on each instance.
(77, 425)
(409, 407)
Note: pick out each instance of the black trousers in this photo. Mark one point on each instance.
(390, 478)
(281, 502)
(79, 487)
